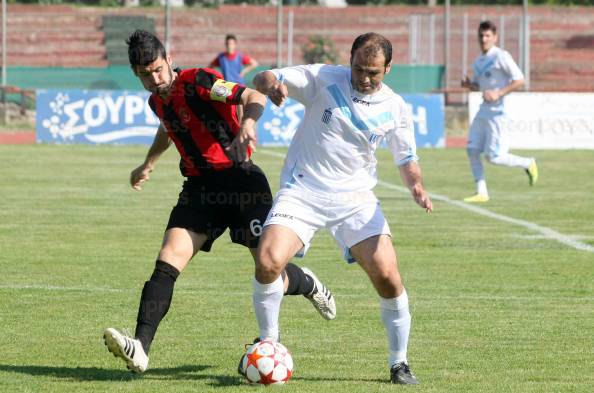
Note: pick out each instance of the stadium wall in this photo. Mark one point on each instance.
(562, 39)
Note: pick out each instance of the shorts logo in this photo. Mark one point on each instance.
(221, 90)
(283, 215)
(327, 116)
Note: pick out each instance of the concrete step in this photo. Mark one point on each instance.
(42, 38)
(56, 61)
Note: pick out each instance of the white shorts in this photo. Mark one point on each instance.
(487, 135)
(349, 217)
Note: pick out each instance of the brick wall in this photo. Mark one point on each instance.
(562, 42)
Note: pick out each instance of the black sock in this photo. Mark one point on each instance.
(299, 282)
(154, 302)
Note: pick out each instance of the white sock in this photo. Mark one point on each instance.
(481, 187)
(511, 160)
(478, 172)
(267, 300)
(396, 318)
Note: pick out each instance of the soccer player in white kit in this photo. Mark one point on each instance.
(495, 74)
(327, 182)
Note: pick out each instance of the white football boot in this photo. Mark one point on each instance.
(321, 297)
(127, 348)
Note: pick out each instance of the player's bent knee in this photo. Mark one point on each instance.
(270, 260)
(175, 255)
(387, 281)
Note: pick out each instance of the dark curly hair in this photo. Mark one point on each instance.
(144, 48)
(487, 25)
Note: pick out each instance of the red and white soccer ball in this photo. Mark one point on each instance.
(267, 362)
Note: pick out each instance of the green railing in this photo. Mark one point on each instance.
(402, 78)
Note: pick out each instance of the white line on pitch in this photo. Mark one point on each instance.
(540, 237)
(546, 232)
(181, 289)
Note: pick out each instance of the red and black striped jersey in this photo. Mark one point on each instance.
(200, 116)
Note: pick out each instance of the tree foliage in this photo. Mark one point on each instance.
(320, 49)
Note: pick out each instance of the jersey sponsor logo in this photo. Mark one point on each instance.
(326, 116)
(359, 101)
(221, 90)
(282, 215)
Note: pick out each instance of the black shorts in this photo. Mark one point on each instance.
(235, 198)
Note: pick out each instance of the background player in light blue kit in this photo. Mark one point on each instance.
(495, 74)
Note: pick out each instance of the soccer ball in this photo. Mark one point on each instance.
(267, 362)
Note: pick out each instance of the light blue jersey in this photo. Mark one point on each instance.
(334, 147)
(491, 71)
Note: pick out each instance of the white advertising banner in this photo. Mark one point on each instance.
(546, 120)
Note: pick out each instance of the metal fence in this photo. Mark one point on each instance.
(427, 41)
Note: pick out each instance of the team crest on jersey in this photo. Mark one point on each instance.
(183, 114)
(326, 116)
(488, 74)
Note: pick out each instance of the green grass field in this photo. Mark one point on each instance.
(497, 307)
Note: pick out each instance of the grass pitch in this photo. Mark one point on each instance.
(496, 307)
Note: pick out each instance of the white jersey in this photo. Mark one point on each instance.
(334, 147)
(494, 70)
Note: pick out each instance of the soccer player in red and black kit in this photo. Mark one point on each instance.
(223, 190)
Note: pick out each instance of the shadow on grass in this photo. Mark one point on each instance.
(186, 372)
(340, 379)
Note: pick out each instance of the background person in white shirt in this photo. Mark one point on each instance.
(327, 182)
(495, 74)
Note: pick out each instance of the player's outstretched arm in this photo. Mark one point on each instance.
(412, 178)
(267, 84)
(160, 144)
(253, 106)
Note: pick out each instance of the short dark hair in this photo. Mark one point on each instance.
(373, 42)
(230, 37)
(144, 48)
(487, 25)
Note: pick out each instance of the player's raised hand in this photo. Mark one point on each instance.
(139, 176)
